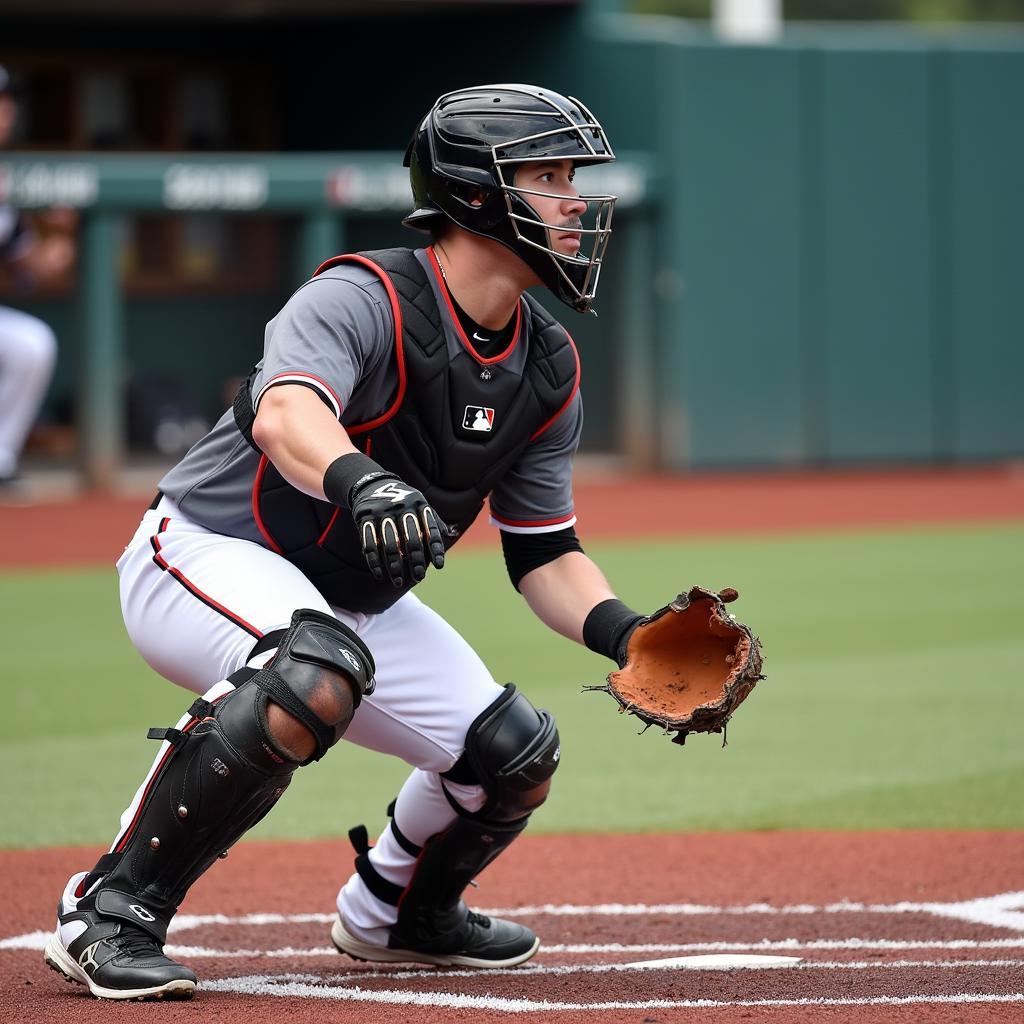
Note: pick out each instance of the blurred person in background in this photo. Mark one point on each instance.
(28, 347)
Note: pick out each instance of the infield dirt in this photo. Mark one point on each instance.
(877, 918)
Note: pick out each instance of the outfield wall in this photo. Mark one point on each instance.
(839, 271)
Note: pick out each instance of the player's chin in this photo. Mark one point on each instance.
(567, 245)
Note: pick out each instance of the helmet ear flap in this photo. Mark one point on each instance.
(485, 207)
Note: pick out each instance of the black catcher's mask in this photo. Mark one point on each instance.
(469, 146)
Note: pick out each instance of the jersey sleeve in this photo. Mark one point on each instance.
(535, 496)
(334, 331)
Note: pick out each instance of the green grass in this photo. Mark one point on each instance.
(893, 697)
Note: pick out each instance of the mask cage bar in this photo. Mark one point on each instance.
(579, 130)
(593, 263)
(602, 215)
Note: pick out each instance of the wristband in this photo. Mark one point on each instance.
(607, 627)
(346, 473)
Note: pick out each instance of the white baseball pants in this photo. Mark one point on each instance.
(195, 603)
(28, 350)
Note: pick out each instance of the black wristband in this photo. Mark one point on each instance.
(346, 472)
(607, 625)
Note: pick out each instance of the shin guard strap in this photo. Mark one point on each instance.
(385, 891)
(111, 903)
(281, 693)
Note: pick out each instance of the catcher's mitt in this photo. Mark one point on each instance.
(688, 666)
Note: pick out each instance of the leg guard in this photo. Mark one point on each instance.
(511, 751)
(218, 778)
(222, 772)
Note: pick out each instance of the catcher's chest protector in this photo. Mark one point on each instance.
(433, 436)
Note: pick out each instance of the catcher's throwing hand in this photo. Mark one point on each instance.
(400, 532)
(688, 666)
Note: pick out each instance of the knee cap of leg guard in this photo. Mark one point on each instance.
(512, 750)
(318, 675)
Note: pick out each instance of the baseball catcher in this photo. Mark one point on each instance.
(685, 668)
(399, 390)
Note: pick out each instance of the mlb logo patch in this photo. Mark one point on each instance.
(478, 417)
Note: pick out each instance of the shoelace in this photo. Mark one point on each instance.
(475, 918)
(136, 942)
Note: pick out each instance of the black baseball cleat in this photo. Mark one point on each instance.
(474, 941)
(114, 958)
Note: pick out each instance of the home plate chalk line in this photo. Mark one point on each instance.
(1004, 911)
(302, 987)
(715, 962)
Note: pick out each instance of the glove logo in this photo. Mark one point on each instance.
(141, 912)
(478, 417)
(391, 491)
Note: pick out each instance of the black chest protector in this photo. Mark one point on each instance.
(453, 429)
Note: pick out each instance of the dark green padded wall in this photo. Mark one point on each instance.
(871, 252)
(987, 152)
(738, 188)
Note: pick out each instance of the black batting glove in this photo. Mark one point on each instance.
(399, 530)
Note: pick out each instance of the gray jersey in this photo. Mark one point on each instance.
(336, 336)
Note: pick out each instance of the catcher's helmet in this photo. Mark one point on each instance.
(462, 161)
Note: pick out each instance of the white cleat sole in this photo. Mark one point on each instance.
(57, 959)
(359, 950)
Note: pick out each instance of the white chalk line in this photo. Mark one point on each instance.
(300, 986)
(532, 970)
(37, 941)
(999, 911)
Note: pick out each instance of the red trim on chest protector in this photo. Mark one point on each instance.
(436, 267)
(195, 591)
(396, 313)
(572, 394)
(260, 525)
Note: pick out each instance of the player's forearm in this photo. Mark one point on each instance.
(563, 592)
(300, 436)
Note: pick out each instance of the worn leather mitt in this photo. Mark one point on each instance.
(688, 666)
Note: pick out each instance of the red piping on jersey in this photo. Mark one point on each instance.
(168, 754)
(531, 522)
(311, 376)
(193, 589)
(436, 267)
(572, 395)
(396, 314)
(256, 485)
